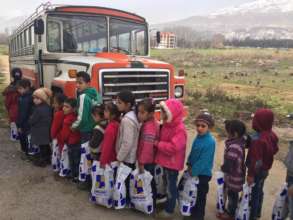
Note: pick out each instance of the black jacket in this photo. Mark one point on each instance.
(25, 108)
(40, 123)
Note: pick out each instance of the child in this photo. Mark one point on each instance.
(11, 102)
(200, 161)
(149, 133)
(87, 98)
(108, 153)
(234, 164)
(127, 140)
(98, 132)
(171, 150)
(25, 105)
(40, 123)
(260, 157)
(71, 138)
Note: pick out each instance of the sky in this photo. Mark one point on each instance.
(155, 11)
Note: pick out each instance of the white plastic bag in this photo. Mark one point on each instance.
(243, 210)
(32, 148)
(141, 194)
(187, 193)
(119, 194)
(13, 132)
(160, 183)
(56, 156)
(102, 185)
(64, 162)
(220, 192)
(85, 162)
(279, 209)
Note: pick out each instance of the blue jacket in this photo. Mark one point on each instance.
(201, 158)
(25, 108)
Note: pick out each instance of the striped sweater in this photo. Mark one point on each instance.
(234, 164)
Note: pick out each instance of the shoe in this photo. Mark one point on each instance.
(82, 186)
(164, 215)
(74, 180)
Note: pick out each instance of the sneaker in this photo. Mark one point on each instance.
(164, 215)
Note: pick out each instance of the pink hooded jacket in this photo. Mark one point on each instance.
(173, 137)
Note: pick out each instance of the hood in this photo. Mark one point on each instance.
(263, 120)
(92, 93)
(174, 110)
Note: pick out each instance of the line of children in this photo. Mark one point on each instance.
(115, 132)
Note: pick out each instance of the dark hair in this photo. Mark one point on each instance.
(148, 104)
(98, 110)
(84, 75)
(71, 101)
(113, 109)
(60, 98)
(237, 127)
(127, 97)
(24, 83)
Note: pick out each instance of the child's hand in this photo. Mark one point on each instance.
(19, 130)
(102, 166)
(72, 129)
(250, 180)
(141, 169)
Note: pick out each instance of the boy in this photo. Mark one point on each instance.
(25, 105)
(200, 161)
(87, 98)
(260, 157)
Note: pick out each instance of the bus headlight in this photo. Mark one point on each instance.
(179, 92)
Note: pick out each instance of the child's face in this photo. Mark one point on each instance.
(164, 116)
(81, 85)
(143, 115)
(107, 114)
(96, 117)
(67, 109)
(201, 127)
(37, 101)
(22, 90)
(56, 105)
(123, 106)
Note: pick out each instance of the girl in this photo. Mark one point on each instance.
(40, 123)
(56, 128)
(11, 102)
(127, 140)
(108, 153)
(200, 161)
(98, 132)
(171, 150)
(234, 164)
(149, 133)
(71, 137)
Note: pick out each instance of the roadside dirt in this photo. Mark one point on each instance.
(30, 193)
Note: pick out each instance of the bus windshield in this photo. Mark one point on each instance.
(81, 33)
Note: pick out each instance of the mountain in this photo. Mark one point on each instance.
(260, 19)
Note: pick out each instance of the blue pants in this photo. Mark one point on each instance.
(257, 195)
(151, 168)
(171, 177)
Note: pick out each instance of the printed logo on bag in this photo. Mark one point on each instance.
(138, 187)
(100, 181)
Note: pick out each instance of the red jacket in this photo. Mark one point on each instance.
(264, 145)
(108, 152)
(149, 133)
(67, 135)
(11, 102)
(56, 126)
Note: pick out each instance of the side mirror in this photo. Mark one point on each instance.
(39, 26)
(158, 37)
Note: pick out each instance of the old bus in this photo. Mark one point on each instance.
(56, 42)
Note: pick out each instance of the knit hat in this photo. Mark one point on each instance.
(44, 94)
(207, 118)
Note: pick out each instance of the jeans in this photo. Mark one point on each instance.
(289, 180)
(171, 177)
(233, 198)
(74, 159)
(198, 212)
(151, 168)
(23, 141)
(127, 182)
(257, 195)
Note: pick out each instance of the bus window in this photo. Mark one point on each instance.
(54, 36)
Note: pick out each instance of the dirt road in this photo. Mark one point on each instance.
(30, 193)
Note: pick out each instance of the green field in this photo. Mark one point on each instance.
(231, 81)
